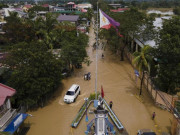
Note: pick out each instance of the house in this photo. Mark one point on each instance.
(6, 11)
(71, 6)
(27, 7)
(119, 10)
(69, 18)
(84, 6)
(59, 9)
(10, 119)
(46, 6)
(41, 13)
(116, 5)
(21, 14)
(81, 28)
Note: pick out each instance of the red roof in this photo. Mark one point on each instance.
(45, 5)
(28, 6)
(5, 92)
(118, 10)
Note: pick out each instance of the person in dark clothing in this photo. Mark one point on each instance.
(153, 115)
(110, 104)
(89, 75)
(102, 56)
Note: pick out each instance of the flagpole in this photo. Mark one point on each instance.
(96, 54)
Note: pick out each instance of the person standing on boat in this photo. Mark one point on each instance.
(110, 104)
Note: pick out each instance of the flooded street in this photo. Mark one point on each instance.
(117, 79)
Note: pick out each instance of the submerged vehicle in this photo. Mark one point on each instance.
(72, 94)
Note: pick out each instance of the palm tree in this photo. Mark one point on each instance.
(142, 60)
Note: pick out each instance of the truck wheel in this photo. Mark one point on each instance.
(74, 100)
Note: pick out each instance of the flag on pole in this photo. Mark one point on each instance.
(102, 92)
(106, 22)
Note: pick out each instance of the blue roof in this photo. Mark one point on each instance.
(15, 123)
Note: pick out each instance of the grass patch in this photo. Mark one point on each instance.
(83, 109)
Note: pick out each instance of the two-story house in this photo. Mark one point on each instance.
(10, 119)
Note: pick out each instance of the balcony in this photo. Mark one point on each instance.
(5, 116)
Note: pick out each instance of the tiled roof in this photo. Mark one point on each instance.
(5, 92)
(71, 18)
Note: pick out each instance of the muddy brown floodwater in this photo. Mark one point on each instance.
(116, 77)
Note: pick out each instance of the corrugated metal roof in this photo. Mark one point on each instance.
(5, 92)
(71, 18)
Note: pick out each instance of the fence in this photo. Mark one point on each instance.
(162, 99)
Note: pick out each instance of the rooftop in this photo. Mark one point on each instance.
(5, 92)
(71, 18)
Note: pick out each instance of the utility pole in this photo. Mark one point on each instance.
(96, 53)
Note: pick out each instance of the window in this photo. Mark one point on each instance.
(71, 93)
(77, 88)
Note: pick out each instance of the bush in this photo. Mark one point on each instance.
(176, 11)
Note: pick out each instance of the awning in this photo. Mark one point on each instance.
(15, 123)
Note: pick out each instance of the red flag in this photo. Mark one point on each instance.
(102, 92)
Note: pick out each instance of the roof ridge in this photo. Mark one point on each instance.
(7, 87)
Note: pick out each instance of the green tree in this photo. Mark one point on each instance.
(35, 72)
(38, 8)
(142, 61)
(73, 50)
(176, 11)
(168, 56)
(3, 6)
(135, 24)
(14, 29)
(44, 29)
(132, 23)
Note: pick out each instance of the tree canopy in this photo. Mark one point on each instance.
(168, 56)
(142, 61)
(33, 70)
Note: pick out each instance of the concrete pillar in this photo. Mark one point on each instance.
(8, 104)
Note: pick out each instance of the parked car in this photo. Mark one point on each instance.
(146, 132)
(72, 94)
(65, 73)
